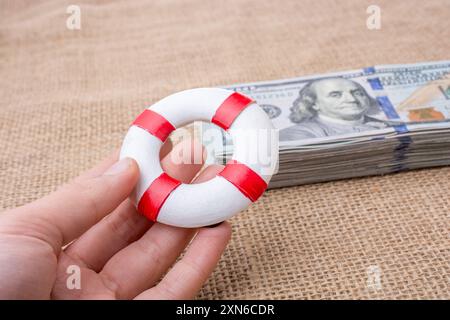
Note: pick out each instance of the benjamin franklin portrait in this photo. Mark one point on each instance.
(329, 107)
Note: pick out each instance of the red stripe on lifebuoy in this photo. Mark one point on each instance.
(245, 179)
(155, 196)
(230, 109)
(155, 124)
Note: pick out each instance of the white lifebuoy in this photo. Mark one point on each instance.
(164, 199)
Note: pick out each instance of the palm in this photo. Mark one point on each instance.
(28, 264)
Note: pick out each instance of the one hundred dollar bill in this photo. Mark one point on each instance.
(366, 103)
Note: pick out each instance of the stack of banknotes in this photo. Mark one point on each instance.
(370, 121)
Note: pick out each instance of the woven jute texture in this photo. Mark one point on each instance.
(68, 96)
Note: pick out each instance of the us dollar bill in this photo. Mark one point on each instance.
(386, 107)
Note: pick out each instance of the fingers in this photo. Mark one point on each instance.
(187, 277)
(117, 230)
(141, 264)
(125, 225)
(75, 207)
(184, 161)
(208, 173)
(166, 148)
(138, 266)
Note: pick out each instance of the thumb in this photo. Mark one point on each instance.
(81, 203)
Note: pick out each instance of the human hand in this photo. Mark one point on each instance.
(120, 254)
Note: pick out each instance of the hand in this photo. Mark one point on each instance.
(120, 254)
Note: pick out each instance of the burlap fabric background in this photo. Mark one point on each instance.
(67, 98)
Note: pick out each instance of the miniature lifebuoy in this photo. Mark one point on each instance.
(164, 199)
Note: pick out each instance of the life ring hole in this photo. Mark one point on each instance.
(195, 153)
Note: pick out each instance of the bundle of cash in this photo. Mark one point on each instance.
(370, 121)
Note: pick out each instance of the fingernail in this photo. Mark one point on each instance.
(119, 167)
